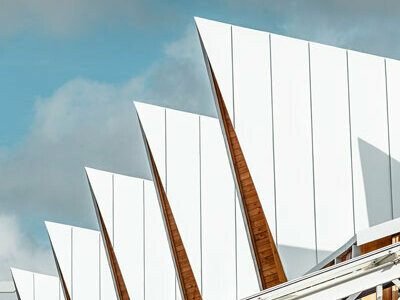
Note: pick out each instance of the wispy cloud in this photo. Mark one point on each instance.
(364, 25)
(17, 249)
(94, 124)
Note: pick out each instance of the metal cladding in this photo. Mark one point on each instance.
(82, 262)
(120, 200)
(187, 281)
(316, 125)
(61, 276)
(116, 271)
(268, 262)
(35, 286)
(306, 142)
(198, 182)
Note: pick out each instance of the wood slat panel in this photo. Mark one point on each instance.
(188, 284)
(121, 290)
(269, 265)
(375, 245)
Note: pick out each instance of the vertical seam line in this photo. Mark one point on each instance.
(351, 141)
(388, 136)
(99, 268)
(312, 153)
(113, 244)
(33, 285)
(234, 190)
(165, 150)
(273, 138)
(144, 240)
(166, 182)
(72, 259)
(233, 82)
(201, 213)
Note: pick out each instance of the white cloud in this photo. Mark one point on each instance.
(82, 123)
(94, 124)
(18, 250)
(363, 25)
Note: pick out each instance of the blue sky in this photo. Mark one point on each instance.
(35, 61)
(70, 69)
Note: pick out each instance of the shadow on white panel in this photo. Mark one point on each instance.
(368, 109)
(393, 90)
(373, 159)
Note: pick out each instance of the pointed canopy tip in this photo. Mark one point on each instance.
(199, 22)
(138, 103)
(53, 225)
(17, 271)
(49, 225)
(14, 273)
(50, 228)
(202, 20)
(143, 107)
(208, 22)
(94, 175)
(53, 229)
(139, 106)
(92, 171)
(197, 19)
(89, 173)
(57, 226)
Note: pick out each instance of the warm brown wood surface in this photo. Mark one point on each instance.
(390, 293)
(375, 245)
(186, 277)
(116, 271)
(264, 248)
(121, 290)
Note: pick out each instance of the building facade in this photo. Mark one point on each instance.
(301, 158)
(31, 286)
